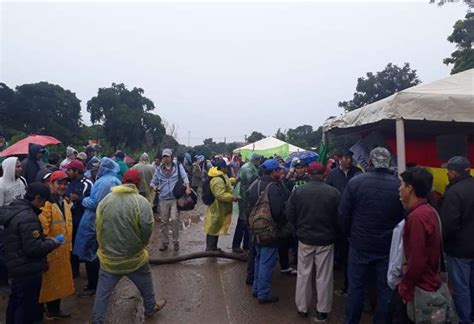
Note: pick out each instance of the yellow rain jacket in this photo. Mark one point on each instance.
(219, 213)
(57, 280)
(124, 225)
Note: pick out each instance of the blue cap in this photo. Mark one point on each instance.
(271, 165)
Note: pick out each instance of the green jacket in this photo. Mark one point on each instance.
(248, 174)
(123, 168)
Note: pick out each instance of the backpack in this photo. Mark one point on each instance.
(207, 195)
(261, 223)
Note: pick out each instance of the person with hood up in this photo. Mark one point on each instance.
(86, 244)
(219, 213)
(124, 226)
(119, 157)
(56, 220)
(146, 174)
(12, 184)
(71, 155)
(26, 253)
(32, 164)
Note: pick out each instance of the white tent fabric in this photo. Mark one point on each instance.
(268, 143)
(446, 100)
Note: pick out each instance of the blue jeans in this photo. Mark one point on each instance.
(107, 281)
(360, 263)
(23, 306)
(265, 260)
(461, 276)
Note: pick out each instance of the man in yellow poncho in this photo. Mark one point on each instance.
(124, 225)
(56, 219)
(219, 213)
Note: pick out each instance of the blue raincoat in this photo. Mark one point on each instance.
(86, 246)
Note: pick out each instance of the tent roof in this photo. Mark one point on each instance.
(446, 100)
(268, 143)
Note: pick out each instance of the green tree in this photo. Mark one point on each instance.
(463, 36)
(208, 141)
(375, 87)
(304, 136)
(281, 135)
(126, 117)
(255, 136)
(43, 108)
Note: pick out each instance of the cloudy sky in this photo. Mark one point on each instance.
(224, 69)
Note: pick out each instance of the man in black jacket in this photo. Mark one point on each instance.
(312, 209)
(370, 208)
(266, 254)
(457, 216)
(26, 249)
(32, 164)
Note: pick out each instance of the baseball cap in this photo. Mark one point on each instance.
(81, 156)
(380, 157)
(119, 154)
(75, 164)
(457, 163)
(132, 176)
(271, 165)
(57, 175)
(37, 189)
(166, 152)
(316, 168)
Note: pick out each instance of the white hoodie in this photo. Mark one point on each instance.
(11, 188)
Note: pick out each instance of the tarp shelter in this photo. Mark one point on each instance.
(268, 146)
(437, 120)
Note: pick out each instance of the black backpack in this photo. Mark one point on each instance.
(207, 195)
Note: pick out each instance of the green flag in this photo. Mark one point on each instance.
(322, 152)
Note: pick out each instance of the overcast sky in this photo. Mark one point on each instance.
(224, 70)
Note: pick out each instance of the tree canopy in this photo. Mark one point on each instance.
(255, 136)
(382, 84)
(463, 36)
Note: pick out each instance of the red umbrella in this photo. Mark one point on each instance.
(21, 147)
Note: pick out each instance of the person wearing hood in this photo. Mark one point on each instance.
(32, 164)
(124, 227)
(56, 220)
(12, 184)
(71, 155)
(92, 162)
(26, 251)
(119, 157)
(146, 174)
(85, 246)
(219, 213)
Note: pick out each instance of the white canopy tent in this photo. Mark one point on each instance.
(447, 100)
(266, 147)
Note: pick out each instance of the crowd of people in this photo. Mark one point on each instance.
(387, 232)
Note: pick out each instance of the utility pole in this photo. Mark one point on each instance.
(225, 140)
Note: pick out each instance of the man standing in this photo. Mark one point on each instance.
(26, 251)
(119, 157)
(124, 226)
(421, 240)
(370, 208)
(92, 163)
(266, 254)
(219, 213)
(315, 221)
(71, 155)
(457, 215)
(146, 174)
(164, 181)
(247, 174)
(12, 184)
(32, 164)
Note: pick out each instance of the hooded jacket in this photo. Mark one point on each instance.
(11, 188)
(26, 247)
(146, 174)
(70, 152)
(85, 246)
(30, 165)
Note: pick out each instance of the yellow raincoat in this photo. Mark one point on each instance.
(57, 281)
(124, 225)
(219, 213)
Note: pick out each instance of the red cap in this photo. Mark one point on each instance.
(57, 175)
(132, 176)
(75, 164)
(316, 168)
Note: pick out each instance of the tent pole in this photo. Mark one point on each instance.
(401, 158)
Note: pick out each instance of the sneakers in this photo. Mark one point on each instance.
(57, 316)
(341, 292)
(271, 300)
(176, 246)
(289, 271)
(86, 293)
(303, 314)
(158, 307)
(321, 317)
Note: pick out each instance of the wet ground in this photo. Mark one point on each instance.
(199, 291)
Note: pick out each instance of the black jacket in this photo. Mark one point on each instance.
(25, 245)
(30, 165)
(338, 179)
(457, 217)
(312, 209)
(370, 209)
